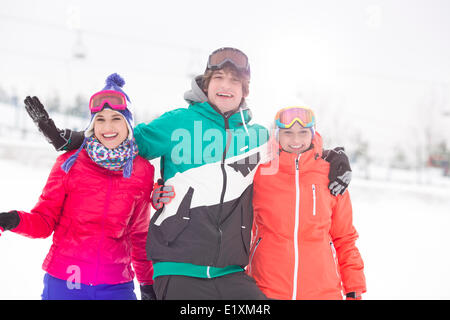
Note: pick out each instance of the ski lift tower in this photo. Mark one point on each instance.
(446, 113)
(76, 55)
(79, 49)
(74, 23)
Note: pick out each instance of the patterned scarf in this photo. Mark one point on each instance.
(112, 159)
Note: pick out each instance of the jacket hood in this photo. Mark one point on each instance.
(195, 94)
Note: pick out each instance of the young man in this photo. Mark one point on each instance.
(200, 243)
(209, 151)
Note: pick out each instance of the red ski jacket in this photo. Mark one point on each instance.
(99, 219)
(303, 238)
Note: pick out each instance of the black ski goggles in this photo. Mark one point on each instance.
(236, 57)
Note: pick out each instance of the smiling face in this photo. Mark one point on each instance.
(225, 90)
(110, 128)
(296, 139)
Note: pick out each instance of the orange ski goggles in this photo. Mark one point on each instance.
(286, 117)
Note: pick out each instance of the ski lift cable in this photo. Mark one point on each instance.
(139, 68)
(102, 34)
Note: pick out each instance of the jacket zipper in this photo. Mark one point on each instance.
(333, 252)
(336, 265)
(314, 199)
(256, 243)
(296, 226)
(102, 237)
(224, 187)
(253, 253)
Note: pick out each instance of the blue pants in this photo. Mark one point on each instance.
(57, 289)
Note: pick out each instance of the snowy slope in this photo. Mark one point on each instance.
(403, 239)
(402, 226)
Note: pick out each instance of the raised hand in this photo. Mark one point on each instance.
(60, 139)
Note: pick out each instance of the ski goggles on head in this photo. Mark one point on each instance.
(115, 99)
(286, 117)
(218, 58)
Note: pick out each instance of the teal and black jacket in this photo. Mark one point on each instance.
(210, 158)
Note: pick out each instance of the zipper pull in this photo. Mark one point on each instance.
(296, 164)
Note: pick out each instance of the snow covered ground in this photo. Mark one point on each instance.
(403, 229)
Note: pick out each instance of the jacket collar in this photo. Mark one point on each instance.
(306, 160)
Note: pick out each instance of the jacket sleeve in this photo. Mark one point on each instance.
(344, 235)
(41, 221)
(139, 228)
(154, 139)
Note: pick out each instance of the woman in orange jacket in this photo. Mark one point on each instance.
(303, 238)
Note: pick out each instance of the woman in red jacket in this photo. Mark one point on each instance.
(303, 237)
(96, 204)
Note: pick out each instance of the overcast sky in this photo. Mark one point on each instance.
(364, 66)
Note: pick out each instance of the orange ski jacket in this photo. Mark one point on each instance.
(303, 243)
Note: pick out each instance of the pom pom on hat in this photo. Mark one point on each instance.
(115, 82)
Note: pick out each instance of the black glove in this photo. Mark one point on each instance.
(60, 139)
(147, 292)
(353, 296)
(9, 220)
(340, 172)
